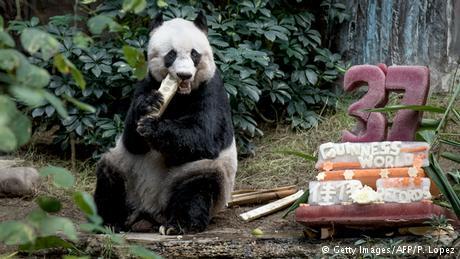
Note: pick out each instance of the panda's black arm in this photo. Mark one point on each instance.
(143, 97)
(186, 139)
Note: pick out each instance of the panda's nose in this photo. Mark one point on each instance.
(184, 76)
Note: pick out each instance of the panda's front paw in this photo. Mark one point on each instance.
(147, 126)
(148, 105)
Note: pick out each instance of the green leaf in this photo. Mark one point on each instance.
(6, 40)
(33, 76)
(61, 176)
(456, 176)
(450, 142)
(82, 41)
(7, 110)
(34, 40)
(456, 113)
(51, 225)
(10, 59)
(49, 204)
(427, 135)
(298, 154)
(56, 103)
(451, 156)
(60, 63)
(423, 108)
(134, 5)
(65, 66)
(135, 58)
(131, 55)
(450, 106)
(430, 123)
(2, 23)
(16, 233)
(46, 243)
(162, 3)
(22, 128)
(78, 77)
(80, 105)
(311, 76)
(32, 97)
(99, 23)
(93, 228)
(301, 199)
(85, 202)
(143, 253)
(435, 172)
(8, 140)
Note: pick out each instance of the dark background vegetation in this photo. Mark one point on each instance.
(275, 56)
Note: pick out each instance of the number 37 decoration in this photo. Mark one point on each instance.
(414, 81)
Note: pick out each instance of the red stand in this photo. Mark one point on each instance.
(372, 215)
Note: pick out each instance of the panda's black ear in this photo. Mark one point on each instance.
(157, 21)
(201, 23)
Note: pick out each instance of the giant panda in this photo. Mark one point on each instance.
(177, 170)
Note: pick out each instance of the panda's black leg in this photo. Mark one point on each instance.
(110, 196)
(189, 208)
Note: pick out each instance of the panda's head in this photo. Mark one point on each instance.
(181, 48)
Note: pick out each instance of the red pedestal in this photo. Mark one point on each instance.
(371, 215)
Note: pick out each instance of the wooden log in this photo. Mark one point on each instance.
(261, 197)
(271, 207)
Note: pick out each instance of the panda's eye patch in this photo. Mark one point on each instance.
(195, 57)
(170, 57)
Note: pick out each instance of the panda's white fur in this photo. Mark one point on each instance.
(182, 36)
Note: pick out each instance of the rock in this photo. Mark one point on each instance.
(7, 162)
(18, 181)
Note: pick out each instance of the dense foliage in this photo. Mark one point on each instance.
(270, 53)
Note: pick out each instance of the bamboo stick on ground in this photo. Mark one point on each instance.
(242, 194)
(271, 207)
(260, 197)
(243, 191)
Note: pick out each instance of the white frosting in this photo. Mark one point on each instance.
(394, 190)
(332, 192)
(386, 154)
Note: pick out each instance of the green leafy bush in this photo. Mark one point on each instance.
(270, 53)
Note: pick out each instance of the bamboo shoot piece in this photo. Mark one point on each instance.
(167, 89)
(271, 207)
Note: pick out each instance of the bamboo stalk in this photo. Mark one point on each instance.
(243, 191)
(271, 207)
(261, 197)
(238, 195)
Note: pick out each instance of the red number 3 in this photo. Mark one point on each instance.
(372, 126)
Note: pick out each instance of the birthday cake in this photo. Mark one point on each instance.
(374, 172)
(376, 176)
